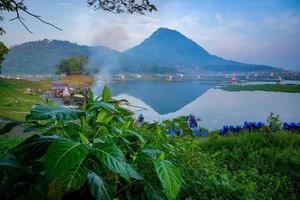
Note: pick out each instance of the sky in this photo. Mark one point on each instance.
(252, 31)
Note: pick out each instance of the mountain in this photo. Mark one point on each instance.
(168, 49)
(42, 56)
(165, 51)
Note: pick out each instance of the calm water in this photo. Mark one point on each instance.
(166, 100)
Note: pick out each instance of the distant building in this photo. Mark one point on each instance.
(170, 77)
(280, 80)
(58, 88)
(233, 79)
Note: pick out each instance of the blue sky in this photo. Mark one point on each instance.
(252, 31)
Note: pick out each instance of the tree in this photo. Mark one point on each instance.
(3, 51)
(72, 65)
(115, 6)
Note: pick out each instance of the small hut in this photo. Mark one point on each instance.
(58, 88)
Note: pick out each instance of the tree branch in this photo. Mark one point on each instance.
(19, 6)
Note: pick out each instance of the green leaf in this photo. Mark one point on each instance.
(90, 95)
(112, 157)
(136, 135)
(170, 178)
(161, 156)
(126, 125)
(152, 153)
(44, 112)
(151, 192)
(62, 156)
(71, 180)
(99, 105)
(83, 139)
(104, 117)
(98, 187)
(133, 173)
(8, 127)
(12, 163)
(74, 178)
(106, 94)
(33, 148)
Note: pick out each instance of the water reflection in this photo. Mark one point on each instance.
(162, 96)
(165, 100)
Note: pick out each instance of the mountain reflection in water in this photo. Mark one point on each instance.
(166, 100)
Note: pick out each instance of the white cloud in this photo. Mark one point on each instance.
(148, 20)
(65, 4)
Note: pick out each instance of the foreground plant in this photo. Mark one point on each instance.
(93, 153)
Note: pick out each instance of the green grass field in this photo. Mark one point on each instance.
(15, 103)
(264, 87)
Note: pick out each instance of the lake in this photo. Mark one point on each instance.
(161, 100)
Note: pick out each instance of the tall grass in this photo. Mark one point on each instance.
(256, 165)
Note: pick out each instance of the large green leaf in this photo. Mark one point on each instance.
(106, 94)
(44, 112)
(137, 135)
(133, 173)
(170, 178)
(8, 127)
(104, 117)
(112, 157)
(151, 192)
(152, 153)
(75, 177)
(12, 163)
(33, 148)
(64, 156)
(103, 106)
(98, 187)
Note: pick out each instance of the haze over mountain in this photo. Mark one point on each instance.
(165, 51)
(40, 57)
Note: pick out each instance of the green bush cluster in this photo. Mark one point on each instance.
(99, 153)
(255, 165)
(88, 153)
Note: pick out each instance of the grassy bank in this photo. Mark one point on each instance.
(15, 102)
(256, 165)
(264, 87)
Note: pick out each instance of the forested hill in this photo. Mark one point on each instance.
(41, 57)
(165, 51)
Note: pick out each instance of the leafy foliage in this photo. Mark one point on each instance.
(72, 65)
(44, 112)
(8, 127)
(250, 165)
(274, 122)
(98, 187)
(169, 176)
(95, 149)
(121, 6)
(3, 49)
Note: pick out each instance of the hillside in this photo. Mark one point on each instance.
(164, 51)
(42, 56)
(168, 49)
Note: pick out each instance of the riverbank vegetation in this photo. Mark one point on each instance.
(72, 65)
(18, 96)
(291, 88)
(99, 152)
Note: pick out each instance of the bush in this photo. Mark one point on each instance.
(254, 165)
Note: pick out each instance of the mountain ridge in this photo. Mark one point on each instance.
(164, 51)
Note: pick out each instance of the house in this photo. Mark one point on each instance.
(233, 79)
(58, 88)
